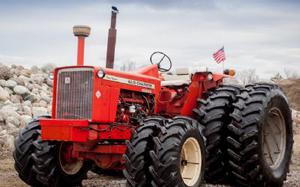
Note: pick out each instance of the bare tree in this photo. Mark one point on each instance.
(130, 66)
(290, 74)
(247, 76)
(277, 77)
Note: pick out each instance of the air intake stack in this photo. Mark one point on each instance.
(81, 31)
(111, 43)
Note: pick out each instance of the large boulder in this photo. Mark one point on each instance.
(4, 95)
(35, 69)
(9, 111)
(25, 119)
(39, 111)
(26, 72)
(27, 103)
(13, 120)
(19, 80)
(8, 90)
(10, 142)
(43, 104)
(48, 68)
(27, 110)
(21, 90)
(45, 97)
(38, 78)
(1, 120)
(16, 98)
(11, 83)
(3, 83)
(5, 72)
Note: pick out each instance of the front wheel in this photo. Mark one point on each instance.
(55, 165)
(179, 154)
(45, 163)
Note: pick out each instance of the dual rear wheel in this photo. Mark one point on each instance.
(260, 137)
(175, 154)
(248, 133)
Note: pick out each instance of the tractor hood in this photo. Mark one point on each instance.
(82, 92)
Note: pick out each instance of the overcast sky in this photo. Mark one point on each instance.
(264, 35)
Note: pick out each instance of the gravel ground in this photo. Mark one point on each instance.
(9, 177)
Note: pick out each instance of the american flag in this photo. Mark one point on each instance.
(219, 56)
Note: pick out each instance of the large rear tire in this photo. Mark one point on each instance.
(137, 157)
(261, 137)
(214, 113)
(39, 163)
(179, 154)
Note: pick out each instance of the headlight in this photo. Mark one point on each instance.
(210, 77)
(101, 73)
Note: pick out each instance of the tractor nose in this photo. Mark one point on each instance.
(81, 31)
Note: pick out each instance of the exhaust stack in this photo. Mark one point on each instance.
(81, 31)
(111, 42)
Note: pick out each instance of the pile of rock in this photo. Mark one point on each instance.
(24, 94)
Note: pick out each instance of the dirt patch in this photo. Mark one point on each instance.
(8, 175)
(291, 88)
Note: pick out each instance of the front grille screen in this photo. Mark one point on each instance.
(74, 93)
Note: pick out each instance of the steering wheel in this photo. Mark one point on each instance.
(161, 56)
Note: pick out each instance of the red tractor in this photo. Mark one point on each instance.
(161, 129)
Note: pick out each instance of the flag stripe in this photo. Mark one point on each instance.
(219, 56)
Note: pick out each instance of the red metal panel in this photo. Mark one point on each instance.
(119, 132)
(64, 130)
(82, 130)
(54, 93)
(185, 104)
(134, 76)
(105, 102)
(104, 149)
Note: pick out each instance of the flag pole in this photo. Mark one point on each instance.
(223, 59)
(223, 64)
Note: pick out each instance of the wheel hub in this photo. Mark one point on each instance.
(191, 161)
(68, 164)
(274, 138)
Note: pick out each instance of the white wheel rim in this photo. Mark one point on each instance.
(274, 138)
(70, 167)
(190, 162)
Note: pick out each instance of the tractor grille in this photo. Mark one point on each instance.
(74, 93)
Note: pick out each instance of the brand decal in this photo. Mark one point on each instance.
(129, 81)
(98, 94)
(67, 80)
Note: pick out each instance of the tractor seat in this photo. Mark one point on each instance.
(181, 76)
